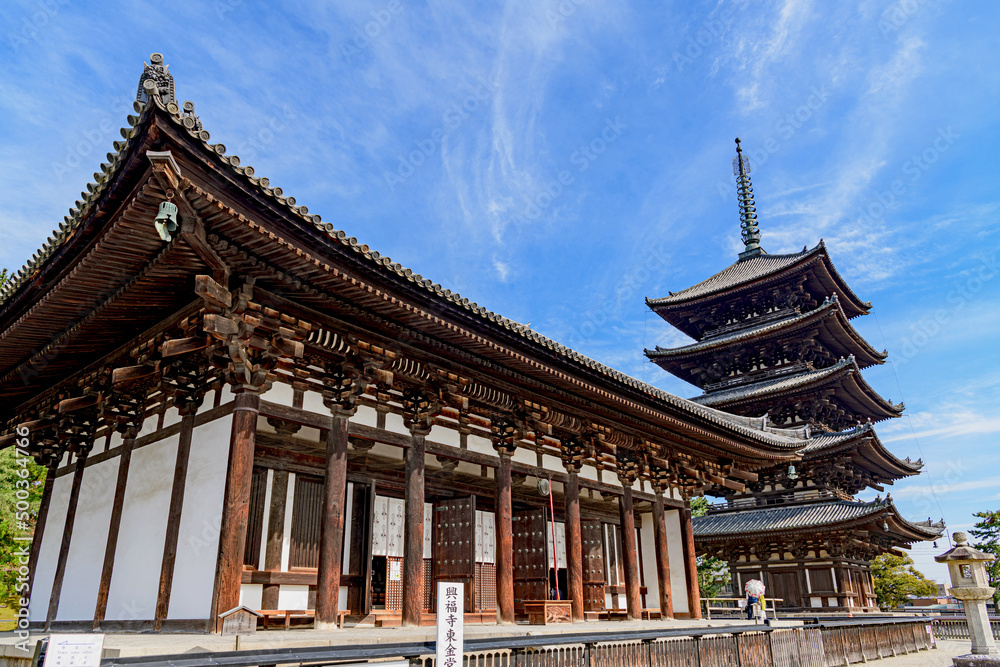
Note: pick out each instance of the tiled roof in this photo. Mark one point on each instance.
(768, 519)
(829, 306)
(799, 517)
(743, 271)
(775, 386)
(755, 429)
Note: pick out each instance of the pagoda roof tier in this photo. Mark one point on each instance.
(815, 518)
(105, 277)
(754, 274)
(850, 391)
(865, 450)
(833, 331)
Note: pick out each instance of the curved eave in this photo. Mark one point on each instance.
(748, 437)
(866, 451)
(718, 287)
(872, 516)
(851, 389)
(840, 336)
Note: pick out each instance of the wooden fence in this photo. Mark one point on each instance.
(821, 646)
(957, 627)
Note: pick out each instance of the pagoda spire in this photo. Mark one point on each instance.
(748, 210)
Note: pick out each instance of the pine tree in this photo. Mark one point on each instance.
(896, 580)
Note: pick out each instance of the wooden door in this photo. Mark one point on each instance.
(454, 554)
(359, 564)
(531, 562)
(593, 565)
(784, 586)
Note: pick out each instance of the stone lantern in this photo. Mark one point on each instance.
(967, 567)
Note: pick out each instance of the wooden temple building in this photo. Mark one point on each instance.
(773, 340)
(239, 403)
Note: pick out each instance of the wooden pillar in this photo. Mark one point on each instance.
(332, 528)
(504, 542)
(74, 496)
(662, 556)
(43, 515)
(574, 543)
(630, 554)
(111, 547)
(690, 564)
(413, 531)
(275, 535)
(236, 505)
(174, 515)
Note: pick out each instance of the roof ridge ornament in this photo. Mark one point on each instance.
(161, 81)
(749, 231)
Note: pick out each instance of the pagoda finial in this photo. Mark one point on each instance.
(748, 210)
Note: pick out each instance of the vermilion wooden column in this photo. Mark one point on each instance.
(505, 543)
(413, 531)
(236, 504)
(662, 556)
(630, 554)
(331, 538)
(690, 564)
(574, 543)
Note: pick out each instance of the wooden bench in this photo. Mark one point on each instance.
(289, 614)
(651, 614)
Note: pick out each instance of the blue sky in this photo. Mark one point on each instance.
(559, 161)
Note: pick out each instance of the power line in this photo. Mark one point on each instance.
(909, 423)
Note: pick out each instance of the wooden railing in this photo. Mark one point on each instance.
(957, 627)
(821, 645)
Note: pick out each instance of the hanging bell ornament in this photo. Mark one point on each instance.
(166, 220)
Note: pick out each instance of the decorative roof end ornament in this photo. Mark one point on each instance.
(748, 210)
(161, 81)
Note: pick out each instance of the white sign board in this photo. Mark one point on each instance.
(74, 651)
(450, 624)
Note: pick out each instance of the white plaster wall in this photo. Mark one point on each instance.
(445, 436)
(313, 402)
(170, 417)
(293, 597)
(90, 537)
(251, 595)
(280, 393)
(524, 455)
(675, 549)
(553, 463)
(365, 415)
(648, 540)
(48, 554)
(588, 472)
(198, 537)
(135, 582)
(479, 444)
(394, 423)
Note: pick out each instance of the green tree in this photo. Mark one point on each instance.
(713, 573)
(987, 531)
(896, 580)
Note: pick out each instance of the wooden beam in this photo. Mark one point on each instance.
(690, 564)
(662, 557)
(275, 535)
(111, 546)
(413, 534)
(630, 554)
(504, 544)
(67, 535)
(331, 538)
(40, 521)
(574, 544)
(236, 505)
(174, 520)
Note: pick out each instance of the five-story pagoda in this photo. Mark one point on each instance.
(773, 339)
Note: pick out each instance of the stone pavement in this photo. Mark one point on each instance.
(938, 657)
